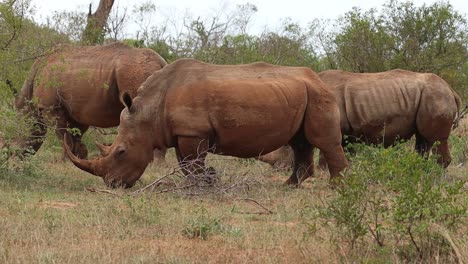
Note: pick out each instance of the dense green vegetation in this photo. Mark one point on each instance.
(398, 199)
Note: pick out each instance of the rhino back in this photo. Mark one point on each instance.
(382, 106)
(230, 104)
(88, 80)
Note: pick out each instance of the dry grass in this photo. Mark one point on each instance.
(462, 129)
(53, 218)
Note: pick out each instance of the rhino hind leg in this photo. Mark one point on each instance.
(443, 152)
(432, 130)
(303, 161)
(441, 149)
(328, 140)
(191, 153)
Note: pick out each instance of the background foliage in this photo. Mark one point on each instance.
(427, 38)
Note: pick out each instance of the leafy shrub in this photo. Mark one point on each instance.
(202, 225)
(459, 149)
(395, 193)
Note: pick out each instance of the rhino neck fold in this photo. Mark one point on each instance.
(161, 135)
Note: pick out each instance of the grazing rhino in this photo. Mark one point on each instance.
(389, 106)
(81, 86)
(236, 110)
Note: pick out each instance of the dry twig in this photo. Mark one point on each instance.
(156, 183)
(92, 189)
(268, 211)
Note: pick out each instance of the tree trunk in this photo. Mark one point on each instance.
(95, 28)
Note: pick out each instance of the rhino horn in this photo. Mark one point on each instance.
(92, 166)
(105, 150)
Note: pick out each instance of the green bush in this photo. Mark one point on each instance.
(458, 149)
(202, 225)
(395, 197)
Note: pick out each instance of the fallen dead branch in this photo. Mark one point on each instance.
(156, 183)
(235, 184)
(193, 178)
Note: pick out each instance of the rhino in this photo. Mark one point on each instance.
(386, 107)
(81, 86)
(236, 110)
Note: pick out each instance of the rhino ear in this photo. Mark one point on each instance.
(127, 100)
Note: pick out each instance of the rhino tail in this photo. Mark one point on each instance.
(460, 112)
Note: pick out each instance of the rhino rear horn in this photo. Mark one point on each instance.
(105, 150)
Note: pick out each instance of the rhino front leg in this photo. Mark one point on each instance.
(159, 156)
(191, 153)
(281, 158)
(36, 137)
(322, 161)
(63, 126)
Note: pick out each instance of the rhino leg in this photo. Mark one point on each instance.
(280, 159)
(432, 130)
(191, 153)
(322, 130)
(344, 143)
(159, 156)
(322, 161)
(443, 151)
(434, 121)
(422, 146)
(36, 138)
(303, 161)
(63, 124)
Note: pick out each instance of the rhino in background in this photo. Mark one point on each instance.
(235, 110)
(81, 86)
(381, 108)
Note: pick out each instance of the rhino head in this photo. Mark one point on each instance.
(122, 163)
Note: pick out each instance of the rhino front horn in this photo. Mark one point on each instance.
(91, 166)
